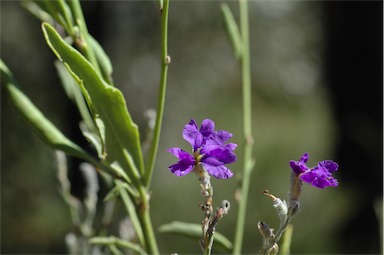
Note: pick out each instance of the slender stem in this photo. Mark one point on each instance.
(112, 240)
(149, 235)
(165, 61)
(139, 214)
(286, 242)
(86, 45)
(132, 212)
(208, 248)
(114, 250)
(246, 77)
(269, 243)
(207, 191)
(247, 126)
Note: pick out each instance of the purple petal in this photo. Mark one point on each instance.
(192, 135)
(324, 182)
(179, 153)
(219, 138)
(231, 146)
(219, 153)
(180, 169)
(319, 177)
(209, 144)
(212, 161)
(215, 159)
(223, 136)
(304, 158)
(328, 165)
(184, 165)
(220, 172)
(298, 167)
(207, 128)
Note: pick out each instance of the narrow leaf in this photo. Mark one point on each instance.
(105, 102)
(232, 30)
(60, 10)
(111, 240)
(194, 231)
(93, 138)
(73, 92)
(44, 128)
(37, 11)
(130, 207)
(102, 59)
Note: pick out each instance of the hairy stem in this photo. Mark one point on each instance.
(207, 191)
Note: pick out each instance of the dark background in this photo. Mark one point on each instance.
(353, 65)
(338, 117)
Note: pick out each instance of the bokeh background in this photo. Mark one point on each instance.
(317, 88)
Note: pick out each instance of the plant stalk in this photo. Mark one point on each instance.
(149, 235)
(165, 61)
(247, 126)
(86, 45)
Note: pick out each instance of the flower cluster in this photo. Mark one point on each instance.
(208, 150)
(319, 176)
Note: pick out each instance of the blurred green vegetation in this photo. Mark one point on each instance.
(291, 115)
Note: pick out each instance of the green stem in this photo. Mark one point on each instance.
(208, 249)
(139, 214)
(149, 235)
(165, 61)
(132, 212)
(114, 249)
(112, 240)
(286, 242)
(247, 126)
(86, 44)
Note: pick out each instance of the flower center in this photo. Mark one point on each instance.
(198, 156)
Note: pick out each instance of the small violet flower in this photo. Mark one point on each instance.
(208, 150)
(319, 176)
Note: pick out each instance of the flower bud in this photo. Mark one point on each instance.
(264, 229)
(296, 184)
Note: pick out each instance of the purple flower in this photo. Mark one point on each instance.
(208, 150)
(319, 176)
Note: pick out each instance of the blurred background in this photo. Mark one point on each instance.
(317, 88)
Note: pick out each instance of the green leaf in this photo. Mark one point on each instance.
(38, 11)
(74, 93)
(102, 59)
(122, 139)
(50, 11)
(111, 240)
(232, 30)
(93, 138)
(115, 192)
(130, 207)
(44, 128)
(60, 10)
(194, 231)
